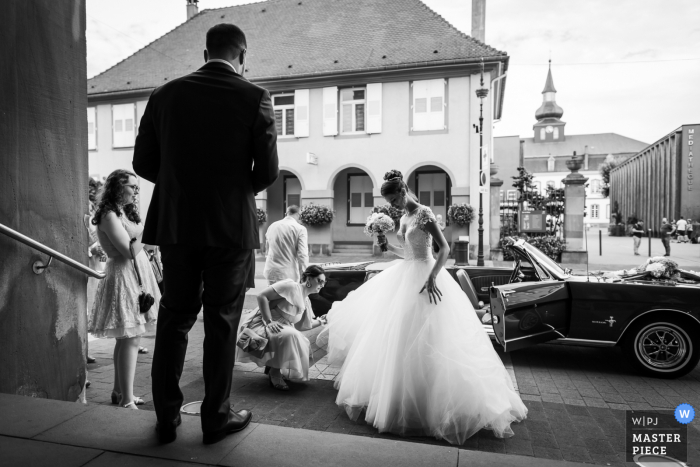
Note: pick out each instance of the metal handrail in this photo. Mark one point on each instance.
(38, 266)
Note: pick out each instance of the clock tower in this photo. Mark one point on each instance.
(549, 128)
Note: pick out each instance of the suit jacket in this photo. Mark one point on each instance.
(208, 142)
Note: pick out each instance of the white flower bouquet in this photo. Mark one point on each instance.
(379, 224)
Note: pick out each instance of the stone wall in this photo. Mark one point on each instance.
(43, 195)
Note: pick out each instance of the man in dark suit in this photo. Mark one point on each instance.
(208, 142)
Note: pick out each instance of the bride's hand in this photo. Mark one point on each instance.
(434, 293)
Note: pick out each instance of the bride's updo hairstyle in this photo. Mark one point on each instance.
(394, 184)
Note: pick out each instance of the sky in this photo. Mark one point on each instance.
(630, 67)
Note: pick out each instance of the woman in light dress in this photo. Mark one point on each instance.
(115, 310)
(284, 309)
(415, 356)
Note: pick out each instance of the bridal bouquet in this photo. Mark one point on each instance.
(379, 224)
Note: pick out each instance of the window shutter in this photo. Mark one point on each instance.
(330, 111)
(437, 104)
(92, 128)
(369, 200)
(424, 198)
(374, 108)
(123, 131)
(301, 113)
(420, 106)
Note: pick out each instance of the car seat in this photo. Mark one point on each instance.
(482, 311)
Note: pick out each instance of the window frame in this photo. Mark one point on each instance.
(284, 108)
(443, 84)
(595, 211)
(353, 113)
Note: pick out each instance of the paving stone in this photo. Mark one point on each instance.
(537, 426)
(619, 406)
(548, 389)
(599, 446)
(592, 402)
(639, 406)
(578, 402)
(521, 447)
(575, 453)
(538, 416)
(547, 453)
(520, 431)
(609, 397)
(492, 445)
(553, 407)
(576, 410)
(547, 440)
(569, 394)
(556, 398)
(657, 401)
(523, 389)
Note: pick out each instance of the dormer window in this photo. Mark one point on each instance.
(550, 164)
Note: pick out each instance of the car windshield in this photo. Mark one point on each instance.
(546, 261)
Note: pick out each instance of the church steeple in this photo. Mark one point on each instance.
(549, 127)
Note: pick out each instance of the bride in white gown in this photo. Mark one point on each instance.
(414, 353)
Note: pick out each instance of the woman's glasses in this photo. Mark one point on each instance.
(134, 187)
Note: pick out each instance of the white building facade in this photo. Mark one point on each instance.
(339, 130)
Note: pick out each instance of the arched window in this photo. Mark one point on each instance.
(550, 164)
(542, 134)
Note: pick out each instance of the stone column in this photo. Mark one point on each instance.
(575, 192)
(43, 195)
(495, 214)
(320, 237)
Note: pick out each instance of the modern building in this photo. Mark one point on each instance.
(358, 88)
(544, 155)
(658, 182)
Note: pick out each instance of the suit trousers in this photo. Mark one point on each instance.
(666, 240)
(194, 276)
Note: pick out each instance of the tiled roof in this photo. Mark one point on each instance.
(290, 38)
(603, 143)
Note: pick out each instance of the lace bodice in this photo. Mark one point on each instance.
(415, 240)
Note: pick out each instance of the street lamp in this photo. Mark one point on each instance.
(481, 93)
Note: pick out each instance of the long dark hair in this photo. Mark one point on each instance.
(109, 195)
(312, 271)
(394, 184)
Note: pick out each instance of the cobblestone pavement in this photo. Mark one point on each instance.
(576, 398)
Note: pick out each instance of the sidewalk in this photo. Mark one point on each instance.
(40, 432)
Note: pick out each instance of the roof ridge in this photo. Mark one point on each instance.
(236, 6)
(452, 26)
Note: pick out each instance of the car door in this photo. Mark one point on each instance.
(530, 312)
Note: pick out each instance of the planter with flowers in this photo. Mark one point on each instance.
(317, 219)
(459, 215)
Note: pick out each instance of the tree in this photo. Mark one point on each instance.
(523, 182)
(610, 163)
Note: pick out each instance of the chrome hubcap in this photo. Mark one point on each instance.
(662, 347)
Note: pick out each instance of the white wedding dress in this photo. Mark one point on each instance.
(418, 368)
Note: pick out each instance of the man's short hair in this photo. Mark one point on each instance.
(224, 38)
(293, 209)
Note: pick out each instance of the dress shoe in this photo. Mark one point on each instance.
(237, 421)
(90, 359)
(167, 432)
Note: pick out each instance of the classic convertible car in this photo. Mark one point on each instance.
(654, 317)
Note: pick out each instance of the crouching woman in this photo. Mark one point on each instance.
(271, 337)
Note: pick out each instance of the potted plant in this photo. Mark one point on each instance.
(316, 214)
(262, 216)
(461, 214)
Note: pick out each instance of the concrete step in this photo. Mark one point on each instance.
(354, 251)
(352, 247)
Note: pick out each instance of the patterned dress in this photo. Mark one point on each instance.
(115, 311)
(289, 349)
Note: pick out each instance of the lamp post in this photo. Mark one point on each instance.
(481, 93)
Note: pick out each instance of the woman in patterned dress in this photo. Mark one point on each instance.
(415, 356)
(115, 311)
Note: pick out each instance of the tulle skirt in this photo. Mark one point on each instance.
(115, 310)
(417, 368)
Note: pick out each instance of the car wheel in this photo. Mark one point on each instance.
(663, 348)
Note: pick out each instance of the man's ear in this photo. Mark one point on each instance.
(206, 55)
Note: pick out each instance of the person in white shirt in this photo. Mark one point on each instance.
(286, 247)
(681, 226)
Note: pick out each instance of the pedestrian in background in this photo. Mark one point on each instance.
(689, 232)
(287, 248)
(667, 230)
(637, 234)
(681, 227)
